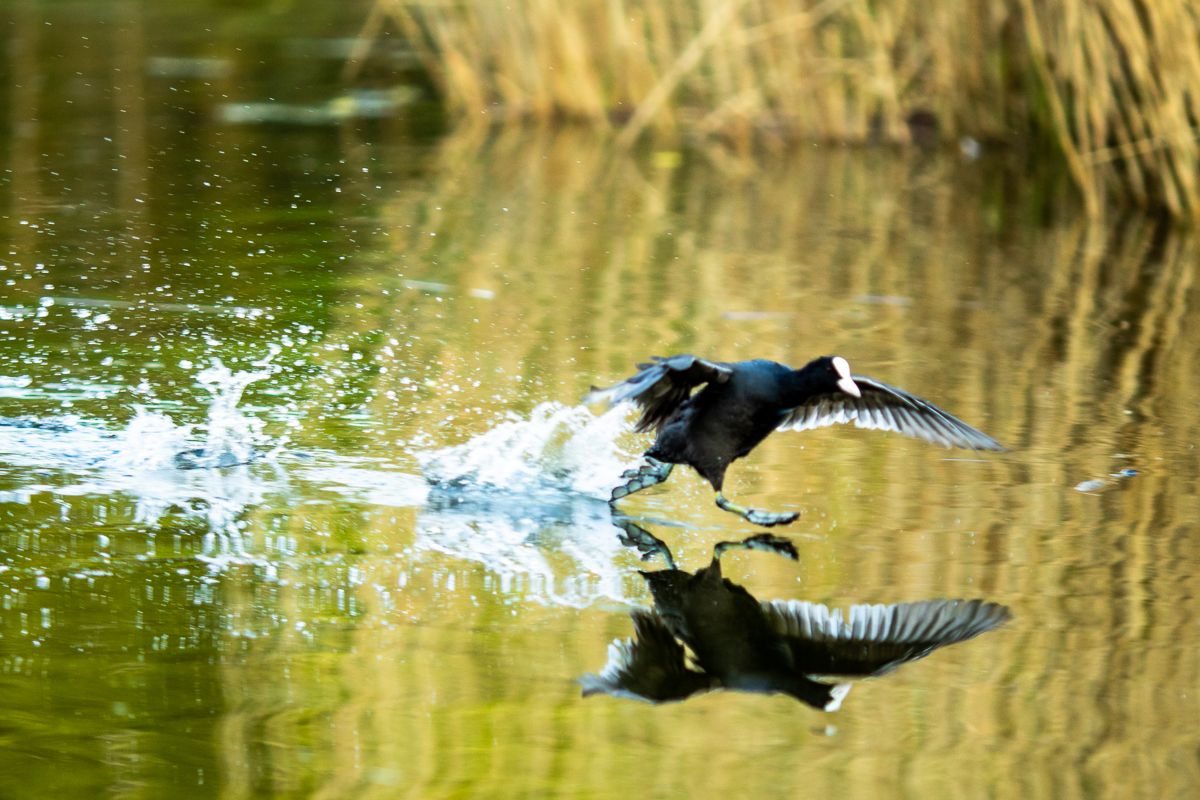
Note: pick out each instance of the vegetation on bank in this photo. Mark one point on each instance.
(1109, 85)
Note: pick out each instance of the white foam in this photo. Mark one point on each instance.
(231, 436)
(150, 441)
(558, 447)
(528, 539)
(526, 499)
(559, 546)
(143, 460)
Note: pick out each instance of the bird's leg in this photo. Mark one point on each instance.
(652, 473)
(642, 540)
(756, 515)
(762, 541)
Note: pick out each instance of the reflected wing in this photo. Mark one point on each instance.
(652, 666)
(872, 640)
(661, 386)
(887, 408)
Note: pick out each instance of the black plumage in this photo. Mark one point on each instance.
(741, 403)
(739, 643)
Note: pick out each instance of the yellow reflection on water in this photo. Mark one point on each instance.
(529, 265)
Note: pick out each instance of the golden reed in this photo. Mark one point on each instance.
(1111, 84)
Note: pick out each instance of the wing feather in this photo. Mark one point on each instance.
(873, 639)
(652, 666)
(884, 407)
(661, 386)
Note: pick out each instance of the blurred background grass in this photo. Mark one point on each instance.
(1107, 88)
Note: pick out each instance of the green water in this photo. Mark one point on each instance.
(318, 623)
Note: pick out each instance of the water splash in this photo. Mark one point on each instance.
(561, 547)
(565, 550)
(162, 465)
(558, 448)
(501, 498)
(513, 496)
(232, 437)
(526, 499)
(150, 441)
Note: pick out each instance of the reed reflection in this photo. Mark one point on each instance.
(740, 643)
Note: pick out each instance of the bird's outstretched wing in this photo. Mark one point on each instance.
(887, 408)
(652, 666)
(874, 639)
(661, 386)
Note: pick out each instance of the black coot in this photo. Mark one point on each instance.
(740, 643)
(743, 402)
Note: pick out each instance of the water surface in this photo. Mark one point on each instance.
(233, 356)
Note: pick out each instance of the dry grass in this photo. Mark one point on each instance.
(1111, 83)
(1121, 79)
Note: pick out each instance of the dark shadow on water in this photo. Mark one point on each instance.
(706, 633)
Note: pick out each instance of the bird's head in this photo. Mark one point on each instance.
(839, 373)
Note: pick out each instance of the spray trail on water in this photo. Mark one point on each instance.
(160, 464)
(558, 448)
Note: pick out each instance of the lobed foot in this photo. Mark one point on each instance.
(633, 485)
(760, 541)
(768, 519)
(647, 544)
(652, 473)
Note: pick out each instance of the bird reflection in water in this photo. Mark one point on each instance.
(739, 643)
